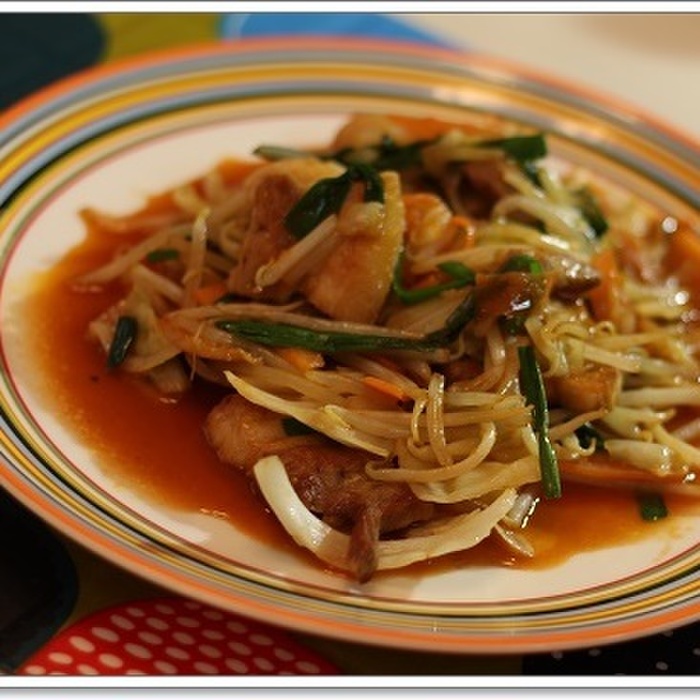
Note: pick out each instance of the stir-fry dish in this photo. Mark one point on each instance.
(424, 329)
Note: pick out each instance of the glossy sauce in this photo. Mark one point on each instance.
(159, 448)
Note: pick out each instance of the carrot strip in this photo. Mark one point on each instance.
(301, 359)
(460, 226)
(209, 293)
(605, 298)
(683, 258)
(385, 387)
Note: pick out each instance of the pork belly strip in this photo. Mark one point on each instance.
(329, 478)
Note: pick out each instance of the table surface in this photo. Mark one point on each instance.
(649, 61)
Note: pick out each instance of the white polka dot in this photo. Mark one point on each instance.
(35, 670)
(81, 644)
(187, 622)
(177, 653)
(236, 665)
(105, 634)
(138, 650)
(134, 672)
(307, 667)
(594, 652)
(87, 670)
(661, 666)
(668, 633)
(157, 624)
(208, 650)
(214, 635)
(261, 639)
(696, 651)
(204, 667)
(213, 615)
(135, 612)
(557, 655)
(192, 605)
(150, 638)
(239, 648)
(236, 627)
(165, 667)
(110, 660)
(165, 609)
(283, 654)
(122, 622)
(183, 638)
(58, 657)
(263, 664)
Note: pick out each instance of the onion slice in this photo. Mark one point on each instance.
(332, 547)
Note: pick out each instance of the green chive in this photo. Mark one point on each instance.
(588, 205)
(391, 156)
(522, 263)
(587, 435)
(463, 314)
(458, 271)
(287, 335)
(520, 148)
(514, 322)
(323, 199)
(374, 187)
(124, 336)
(532, 387)
(162, 255)
(651, 506)
(460, 275)
(327, 196)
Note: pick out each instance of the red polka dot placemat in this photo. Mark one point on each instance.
(172, 636)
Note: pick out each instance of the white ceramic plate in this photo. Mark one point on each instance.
(110, 137)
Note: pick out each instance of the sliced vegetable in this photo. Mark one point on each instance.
(327, 196)
(374, 187)
(210, 293)
(533, 389)
(521, 148)
(522, 263)
(162, 255)
(391, 156)
(460, 276)
(388, 155)
(123, 338)
(585, 200)
(323, 199)
(301, 359)
(386, 387)
(587, 435)
(651, 506)
(332, 546)
(605, 299)
(288, 335)
(283, 335)
(456, 321)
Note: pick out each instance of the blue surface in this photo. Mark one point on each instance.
(363, 24)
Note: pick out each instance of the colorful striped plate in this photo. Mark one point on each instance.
(111, 136)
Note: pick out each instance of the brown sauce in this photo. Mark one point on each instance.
(158, 447)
